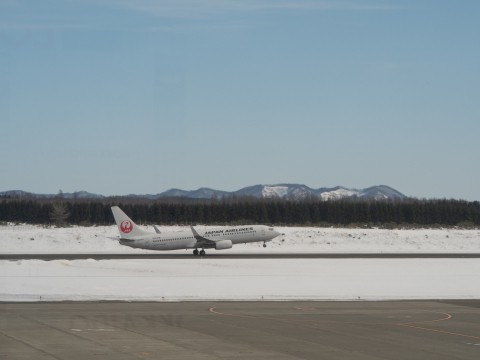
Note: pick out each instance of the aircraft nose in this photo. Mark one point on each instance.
(274, 233)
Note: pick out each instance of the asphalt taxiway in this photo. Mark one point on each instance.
(215, 255)
(239, 330)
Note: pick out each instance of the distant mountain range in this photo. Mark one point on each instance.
(74, 195)
(280, 191)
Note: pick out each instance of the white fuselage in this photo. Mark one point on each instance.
(186, 239)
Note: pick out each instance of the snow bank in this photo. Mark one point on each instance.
(232, 279)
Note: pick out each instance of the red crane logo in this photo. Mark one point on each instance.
(126, 227)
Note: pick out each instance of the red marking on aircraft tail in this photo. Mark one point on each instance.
(126, 226)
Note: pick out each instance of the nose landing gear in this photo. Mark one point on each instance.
(264, 244)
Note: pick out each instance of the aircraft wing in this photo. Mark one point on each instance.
(118, 238)
(202, 241)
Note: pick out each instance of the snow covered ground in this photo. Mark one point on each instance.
(211, 278)
(36, 239)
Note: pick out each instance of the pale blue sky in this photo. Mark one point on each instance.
(120, 96)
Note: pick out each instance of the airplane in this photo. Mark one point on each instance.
(219, 238)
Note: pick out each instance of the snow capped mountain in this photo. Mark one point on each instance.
(278, 191)
(300, 192)
(274, 191)
(337, 193)
(291, 192)
(380, 192)
(202, 193)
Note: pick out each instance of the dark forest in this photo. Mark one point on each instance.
(248, 210)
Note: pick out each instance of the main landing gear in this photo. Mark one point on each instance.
(201, 252)
(264, 244)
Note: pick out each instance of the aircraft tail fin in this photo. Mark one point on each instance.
(127, 228)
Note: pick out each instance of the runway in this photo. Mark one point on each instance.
(394, 330)
(226, 256)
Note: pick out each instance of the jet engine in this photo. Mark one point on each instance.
(223, 244)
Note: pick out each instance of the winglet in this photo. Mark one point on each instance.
(196, 235)
(201, 241)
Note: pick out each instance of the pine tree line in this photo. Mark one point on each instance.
(238, 211)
